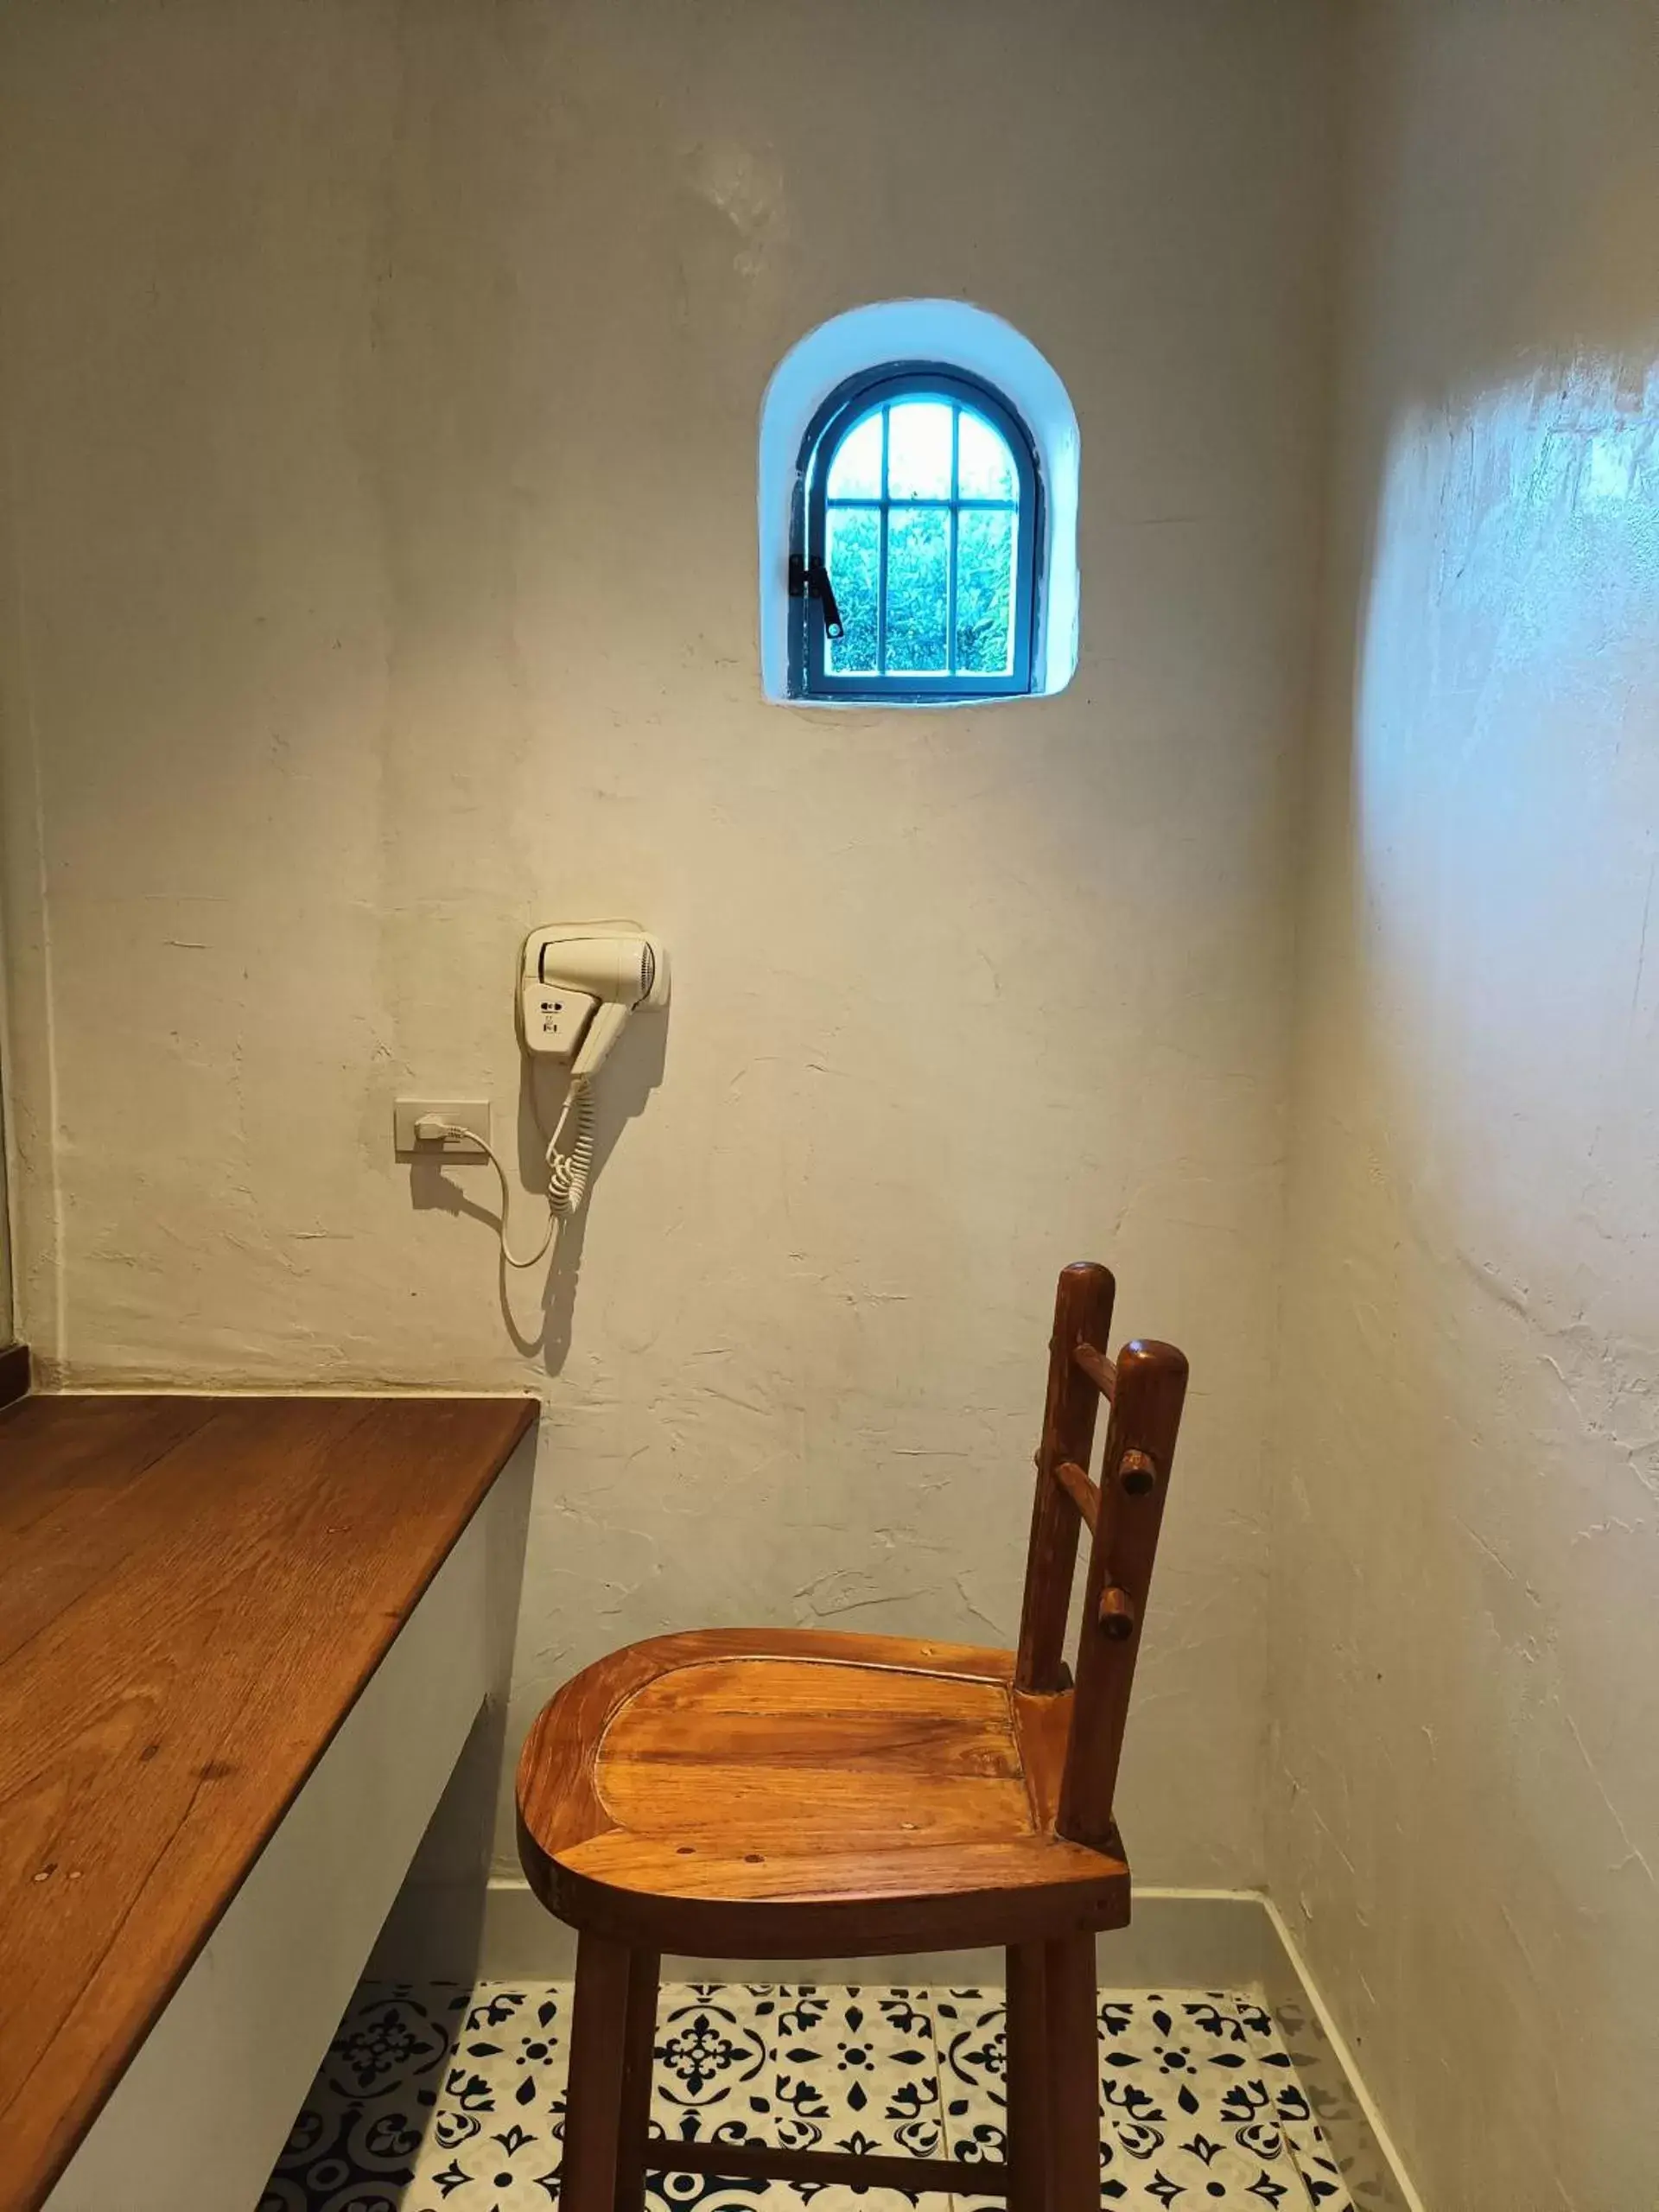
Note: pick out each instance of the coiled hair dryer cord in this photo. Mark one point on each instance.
(567, 1172)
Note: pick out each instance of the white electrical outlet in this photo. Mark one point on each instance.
(470, 1113)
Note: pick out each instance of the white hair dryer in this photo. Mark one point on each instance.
(579, 982)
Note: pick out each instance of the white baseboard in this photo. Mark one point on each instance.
(1178, 1939)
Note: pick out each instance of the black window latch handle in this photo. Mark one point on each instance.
(809, 579)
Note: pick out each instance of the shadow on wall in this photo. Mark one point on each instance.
(1465, 1652)
(633, 1069)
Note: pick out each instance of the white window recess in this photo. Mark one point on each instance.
(951, 334)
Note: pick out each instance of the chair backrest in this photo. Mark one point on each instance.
(1144, 1387)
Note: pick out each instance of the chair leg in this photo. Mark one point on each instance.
(598, 2054)
(1073, 2074)
(1027, 2080)
(639, 2052)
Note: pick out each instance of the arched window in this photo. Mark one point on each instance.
(916, 542)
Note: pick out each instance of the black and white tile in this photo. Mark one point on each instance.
(436, 2098)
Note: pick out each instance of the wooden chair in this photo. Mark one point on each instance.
(770, 1793)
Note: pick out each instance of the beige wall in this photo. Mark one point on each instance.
(381, 395)
(1464, 1793)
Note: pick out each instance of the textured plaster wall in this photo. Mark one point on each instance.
(1465, 1795)
(380, 388)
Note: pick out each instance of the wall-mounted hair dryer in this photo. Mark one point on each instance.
(579, 982)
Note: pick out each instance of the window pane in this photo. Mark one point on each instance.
(855, 472)
(985, 544)
(986, 464)
(918, 554)
(918, 449)
(853, 555)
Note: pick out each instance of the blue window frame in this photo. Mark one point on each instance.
(917, 540)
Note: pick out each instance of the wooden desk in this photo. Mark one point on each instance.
(194, 1593)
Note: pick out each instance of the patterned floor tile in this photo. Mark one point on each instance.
(445, 2100)
(1320, 2175)
(856, 2070)
(968, 2026)
(373, 2106)
(713, 2083)
(1194, 2101)
(498, 2125)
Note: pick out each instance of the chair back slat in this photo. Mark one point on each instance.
(1083, 1316)
(1083, 1492)
(1146, 1388)
(1101, 1371)
(1151, 1389)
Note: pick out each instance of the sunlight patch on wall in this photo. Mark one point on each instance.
(1507, 790)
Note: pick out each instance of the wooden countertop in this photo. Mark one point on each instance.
(193, 1592)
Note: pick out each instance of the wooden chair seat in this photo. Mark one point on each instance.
(771, 1794)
